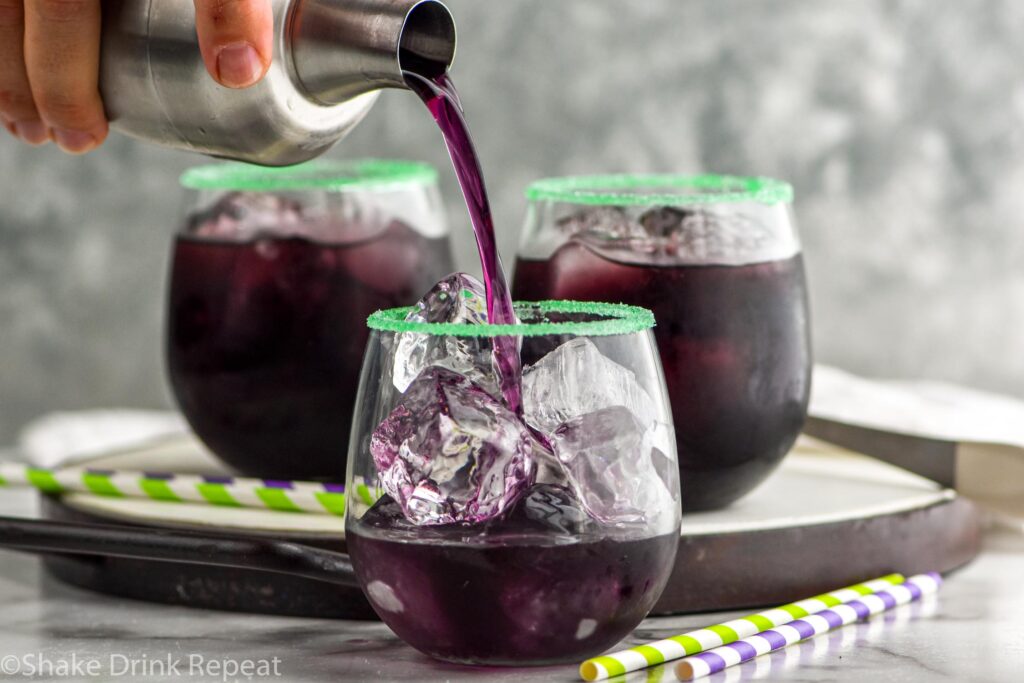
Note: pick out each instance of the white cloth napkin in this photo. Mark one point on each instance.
(67, 438)
(930, 409)
(987, 430)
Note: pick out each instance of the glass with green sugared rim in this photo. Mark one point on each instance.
(718, 260)
(659, 189)
(575, 485)
(602, 320)
(329, 190)
(273, 274)
(322, 174)
(756, 211)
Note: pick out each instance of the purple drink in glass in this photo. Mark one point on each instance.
(733, 345)
(487, 536)
(266, 330)
(517, 594)
(732, 327)
(517, 517)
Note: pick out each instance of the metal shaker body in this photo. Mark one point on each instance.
(331, 58)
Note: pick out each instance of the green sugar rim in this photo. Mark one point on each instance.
(622, 190)
(321, 174)
(618, 319)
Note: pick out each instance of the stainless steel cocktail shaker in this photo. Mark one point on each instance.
(331, 57)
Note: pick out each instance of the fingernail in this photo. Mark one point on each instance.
(238, 65)
(32, 132)
(73, 141)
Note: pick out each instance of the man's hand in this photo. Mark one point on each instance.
(50, 55)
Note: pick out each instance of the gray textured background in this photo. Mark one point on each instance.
(899, 122)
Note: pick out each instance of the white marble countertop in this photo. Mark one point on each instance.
(973, 631)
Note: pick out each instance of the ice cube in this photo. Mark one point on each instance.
(243, 215)
(389, 262)
(697, 235)
(459, 298)
(450, 452)
(663, 221)
(549, 509)
(611, 462)
(386, 515)
(549, 470)
(601, 225)
(576, 379)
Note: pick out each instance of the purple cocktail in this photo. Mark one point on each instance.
(490, 536)
(729, 296)
(509, 514)
(512, 593)
(266, 324)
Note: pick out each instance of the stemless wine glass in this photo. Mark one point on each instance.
(718, 260)
(483, 536)
(273, 276)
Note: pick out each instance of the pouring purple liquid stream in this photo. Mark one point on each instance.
(441, 98)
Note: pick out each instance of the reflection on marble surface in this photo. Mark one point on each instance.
(971, 631)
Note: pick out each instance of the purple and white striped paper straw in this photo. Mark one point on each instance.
(713, 661)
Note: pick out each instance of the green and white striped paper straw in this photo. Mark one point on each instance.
(658, 652)
(239, 492)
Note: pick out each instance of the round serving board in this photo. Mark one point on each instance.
(825, 519)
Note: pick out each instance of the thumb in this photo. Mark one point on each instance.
(236, 39)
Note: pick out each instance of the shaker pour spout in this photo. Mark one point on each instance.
(341, 48)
